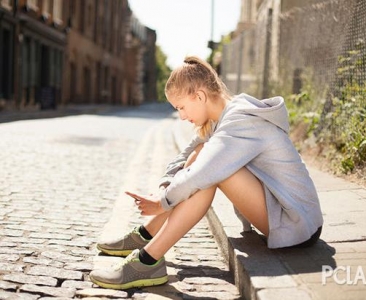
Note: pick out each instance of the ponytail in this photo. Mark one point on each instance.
(193, 75)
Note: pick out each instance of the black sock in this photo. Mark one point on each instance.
(146, 258)
(144, 233)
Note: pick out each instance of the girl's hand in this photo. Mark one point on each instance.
(148, 205)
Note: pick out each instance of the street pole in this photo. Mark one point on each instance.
(212, 19)
(212, 30)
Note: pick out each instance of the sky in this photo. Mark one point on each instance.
(183, 27)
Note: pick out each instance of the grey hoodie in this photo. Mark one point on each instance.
(254, 134)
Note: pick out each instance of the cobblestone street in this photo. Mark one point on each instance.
(62, 187)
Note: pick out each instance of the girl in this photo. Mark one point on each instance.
(242, 148)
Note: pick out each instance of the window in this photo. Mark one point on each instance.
(87, 85)
(46, 9)
(6, 3)
(90, 15)
(82, 16)
(73, 78)
(6, 60)
(32, 4)
(57, 11)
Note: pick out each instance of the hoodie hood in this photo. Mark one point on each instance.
(272, 109)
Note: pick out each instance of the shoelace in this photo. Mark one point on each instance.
(134, 231)
(123, 262)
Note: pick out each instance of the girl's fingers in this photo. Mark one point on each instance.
(135, 196)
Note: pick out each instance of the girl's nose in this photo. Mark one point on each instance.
(182, 115)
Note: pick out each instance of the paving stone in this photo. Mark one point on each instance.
(80, 244)
(185, 258)
(204, 280)
(102, 293)
(9, 257)
(7, 267)
(47, 224)
(55, 272)
(60, 256)
(23, 227)
(22, 215)
(23, 240)
(87, 228)
(210, 295)
(6, 222)
(11, 232)
(77, 284)
(43, 261)
(22, 278)
(74, 233)
(199, 241)
(210, 258)
(84, 252)
(42, 235)
(7, 244)
(51, 291)
(197, 251)
(55, 298)
(284, 294)
(282, 281)
(21, 296)
(79, 266)
(16, 251)
(57, 248)
(220, 288)
(7, 285)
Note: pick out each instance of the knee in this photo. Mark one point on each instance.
(192, 157)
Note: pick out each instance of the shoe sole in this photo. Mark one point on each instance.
(115, 252)
(132, 284)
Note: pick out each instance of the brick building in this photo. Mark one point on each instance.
(32, 43)
(56, 52)
(141, 63)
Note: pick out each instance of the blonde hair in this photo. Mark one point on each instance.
(193, 75)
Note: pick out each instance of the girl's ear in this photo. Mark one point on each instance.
(201, 95)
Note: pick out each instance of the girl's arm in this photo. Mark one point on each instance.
(178, 162)
(232, 146)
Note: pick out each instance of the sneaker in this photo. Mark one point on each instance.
(125, 246)
(131, 273)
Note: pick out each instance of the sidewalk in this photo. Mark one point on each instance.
(335, 268)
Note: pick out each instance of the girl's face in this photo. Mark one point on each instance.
(191, 108)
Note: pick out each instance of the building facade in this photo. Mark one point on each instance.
(32, 43)
(60, 52)
(142, 65)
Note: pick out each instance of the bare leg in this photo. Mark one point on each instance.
(246, 193)
(250, 201)
(182, 218)
(243, 189)
(154, 224)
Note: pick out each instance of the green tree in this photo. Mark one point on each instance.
(215, 56)
(163, 72)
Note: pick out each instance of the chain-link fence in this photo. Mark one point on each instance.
(238, 63)
(317, 40)
(324, 45)
(315, 48)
